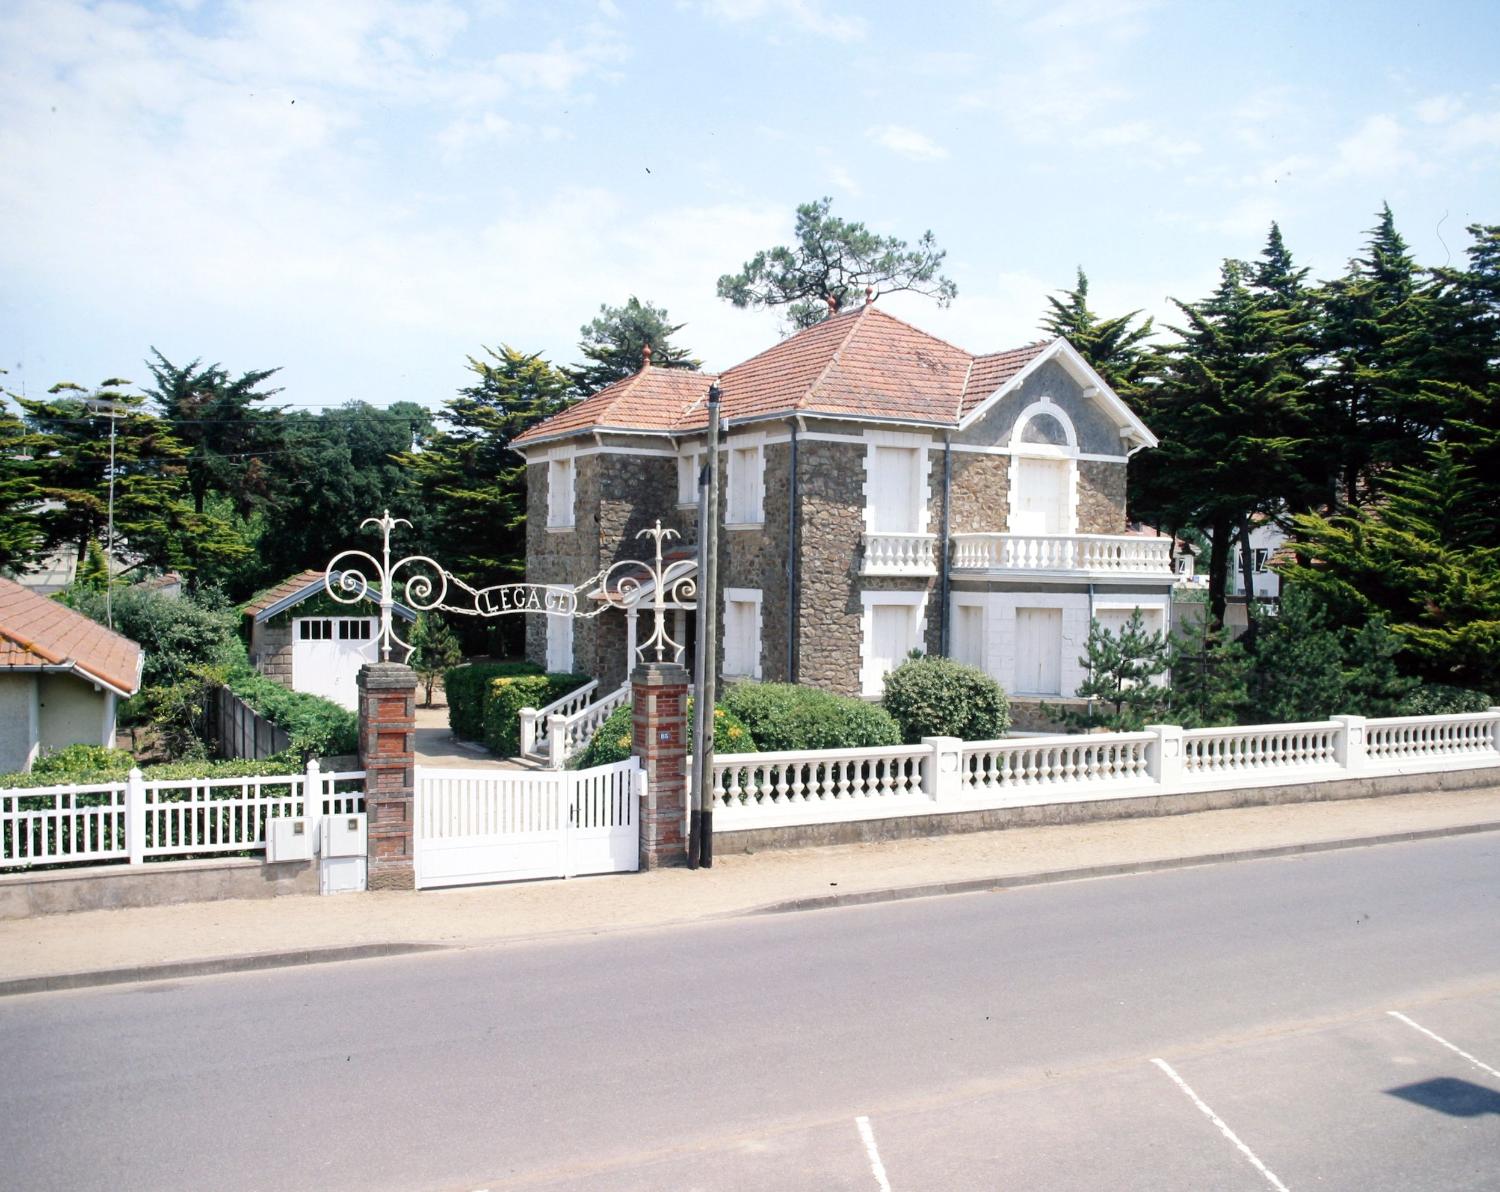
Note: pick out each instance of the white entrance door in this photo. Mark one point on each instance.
(327, 653)
(497, 825)
(1039, 651)
(1040, 503)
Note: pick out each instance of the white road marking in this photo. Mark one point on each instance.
(877, 1168)
(1223, 1129)
(1417, 1026)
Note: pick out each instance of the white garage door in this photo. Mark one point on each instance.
(327, 653)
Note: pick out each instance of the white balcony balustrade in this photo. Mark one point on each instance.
(899, 554)
(1089, 554)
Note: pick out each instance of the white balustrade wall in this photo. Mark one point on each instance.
(1098, 553)
(899, 554)
(162, 818)
(944, 775)
(534, 722)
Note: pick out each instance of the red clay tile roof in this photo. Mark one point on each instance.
(652, 399)
(287, 587)
(863, 363)
(36, 631)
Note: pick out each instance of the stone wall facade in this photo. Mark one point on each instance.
(980, 491)
(271, 649)
(1101, 497)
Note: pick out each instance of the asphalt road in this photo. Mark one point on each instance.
(1219, 1028)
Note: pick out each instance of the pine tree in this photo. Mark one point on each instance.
(1373, 683)
(434, 649)
(229, 435)
(614, 343)
(1115, 348)
(21, 536)
(157, 526)
(1299, 663)
(1382, 339)
(1232, 409)
(1121, 685)
(832, 265)
(474, 486)
(1210, 680)
(1424, 559)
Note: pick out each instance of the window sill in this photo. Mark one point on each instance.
(754, 525)
(560, 529)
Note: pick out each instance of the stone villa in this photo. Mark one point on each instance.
(882, 491)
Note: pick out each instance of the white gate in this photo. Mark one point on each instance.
(497, 825)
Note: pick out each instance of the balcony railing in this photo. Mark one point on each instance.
(899, 554)
(1093, 554)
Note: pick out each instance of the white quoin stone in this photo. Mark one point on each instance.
(942, 769)
(1351, 747)
(1165, 754)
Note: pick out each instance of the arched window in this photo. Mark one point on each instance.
(1044, 471)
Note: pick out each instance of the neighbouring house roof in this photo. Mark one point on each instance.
(863, 364)
(38, 634)
(303, 586)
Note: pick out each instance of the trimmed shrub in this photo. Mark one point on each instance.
(612, 741)
(92, 765)
(937, 697)
(786, 716)
(506, 695)
(317, 726)
(465, 688)
(1439, 699)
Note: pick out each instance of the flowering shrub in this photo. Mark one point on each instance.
(612, 741)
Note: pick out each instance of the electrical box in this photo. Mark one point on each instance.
(344, 835)
(287, 839)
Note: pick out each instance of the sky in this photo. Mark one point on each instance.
(364, 193)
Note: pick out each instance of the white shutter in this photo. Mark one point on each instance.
(1039, 651)
(560, 493)
(896, 500)
(559, 644)
(968, 635)
(1041, 502)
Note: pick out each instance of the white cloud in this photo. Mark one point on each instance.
(807, 16)
(906, 141)
(1439, 109)
(1377, 147)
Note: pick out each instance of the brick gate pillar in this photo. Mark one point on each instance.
(659, 692)
(387, 724)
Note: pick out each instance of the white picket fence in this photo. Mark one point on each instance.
(944, 774)
(156, 819)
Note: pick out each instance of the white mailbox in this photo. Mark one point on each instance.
(287, 839)
(344, 835)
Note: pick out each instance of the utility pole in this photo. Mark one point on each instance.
(112, 408)
(706, 656)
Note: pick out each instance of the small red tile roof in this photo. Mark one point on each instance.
(863, 363)
(287, 587)
(37, 632)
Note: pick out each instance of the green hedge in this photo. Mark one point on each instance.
(785, 716)
(507, 695)
(1439, 699)
(89, 765)
(937, 697)
(317, 726)
(465, 688)
(612, 741)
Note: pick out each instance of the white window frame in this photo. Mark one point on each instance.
(754, 517)
(1069, 454)
(870, 683)
(561, 463)
(922, 444)
(751, 596)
